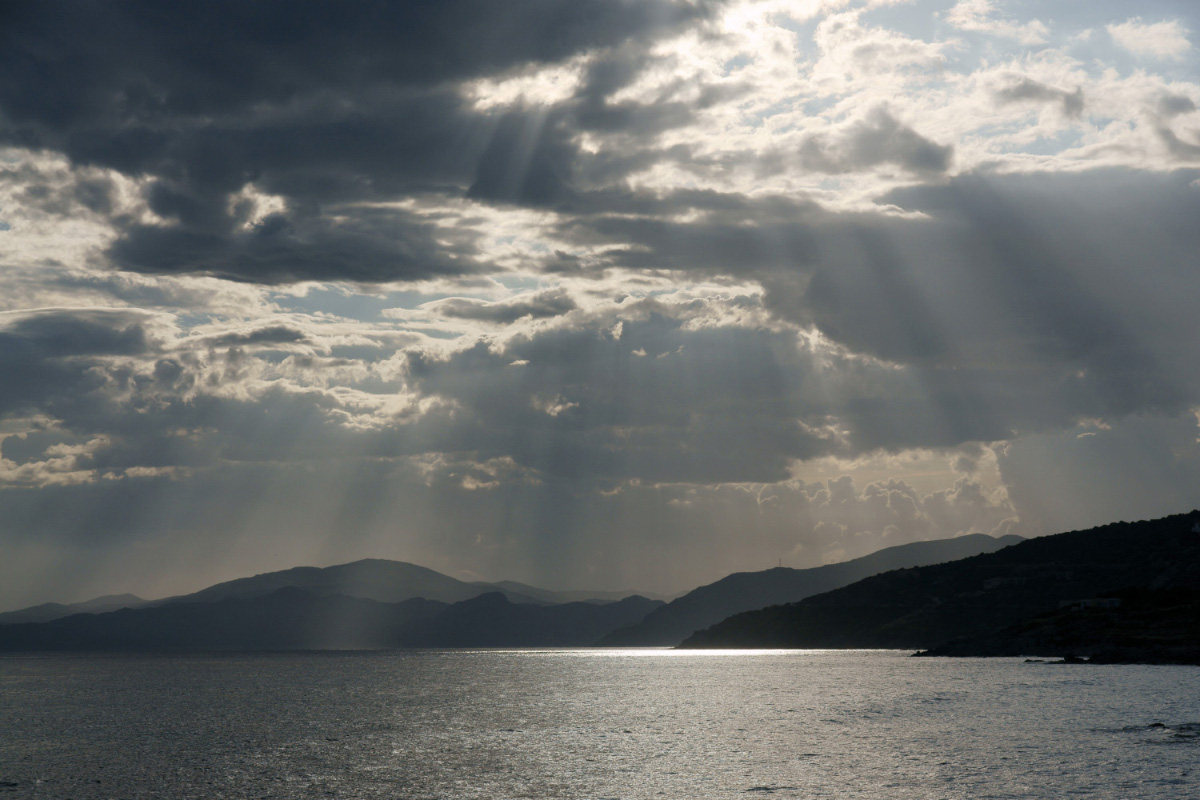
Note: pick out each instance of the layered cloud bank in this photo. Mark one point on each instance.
(602, 292)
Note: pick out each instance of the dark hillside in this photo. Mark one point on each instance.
(296, 619)
(929, 606)
(745, 591)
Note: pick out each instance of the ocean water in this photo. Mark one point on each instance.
(594, 724)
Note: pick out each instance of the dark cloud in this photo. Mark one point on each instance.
(85, 65)
(1030, 278)
(1027, 89)
(878, 139)
(1016, 303)
(315, 105)
(659, 402)
(528, 160)
(731, 234)
(266, 335)
(550, 303)
(1174, 104)
(1179, 147)
(367, 246)
(608, 74)
(71, 332)
(49, 360)
(1024, 293)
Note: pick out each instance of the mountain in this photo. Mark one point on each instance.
(745, 591)
(48, 611)
(370, 579)
(295, 619)
(1146, 626)
(932, 606)
(286, 619)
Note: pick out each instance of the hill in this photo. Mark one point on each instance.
(745, 591)
(295, 619)
(929, 607)
(48, 611)
(1147, 626)
(371, 579)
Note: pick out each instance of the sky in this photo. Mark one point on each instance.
(605, 294)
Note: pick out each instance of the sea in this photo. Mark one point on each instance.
(594, 723)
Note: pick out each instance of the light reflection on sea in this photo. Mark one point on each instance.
(627, 723)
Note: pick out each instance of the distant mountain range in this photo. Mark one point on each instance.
(1038, 597)
(371, 603)
(370, 579)
(1126, 591)
(745, 591)
(49, 611)
(376, 603)
(291, 618)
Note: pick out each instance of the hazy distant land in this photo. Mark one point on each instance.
(378, 604)
(1121, 592)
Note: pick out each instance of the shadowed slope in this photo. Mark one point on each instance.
(295, 619)
(49, 611)
(928, 606)
(745, 591)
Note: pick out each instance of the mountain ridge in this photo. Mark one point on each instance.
(292, 618)
(384, 580)
(45, 612)
(927, 607)
(745, 591)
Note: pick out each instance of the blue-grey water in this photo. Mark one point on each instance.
(594, 724)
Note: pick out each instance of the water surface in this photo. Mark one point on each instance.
(594, 724)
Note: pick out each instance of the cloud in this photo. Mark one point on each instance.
(105, 82)
(303, 118)
(982, 16)
(1137, 468)
(877, 139)
(961, 288)
(528, 160)
(851, 53)
(57, 333)
(720, 405)
(268, 335)
(572, 288)
(1008, 303)
(366, 245)
(1026, 89)
(1165, 40)
(68, 363)
(542, 305)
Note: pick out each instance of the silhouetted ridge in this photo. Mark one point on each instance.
(926, 607)
(50, 611)
(292, 618)
(371, 578)
(744, 591)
